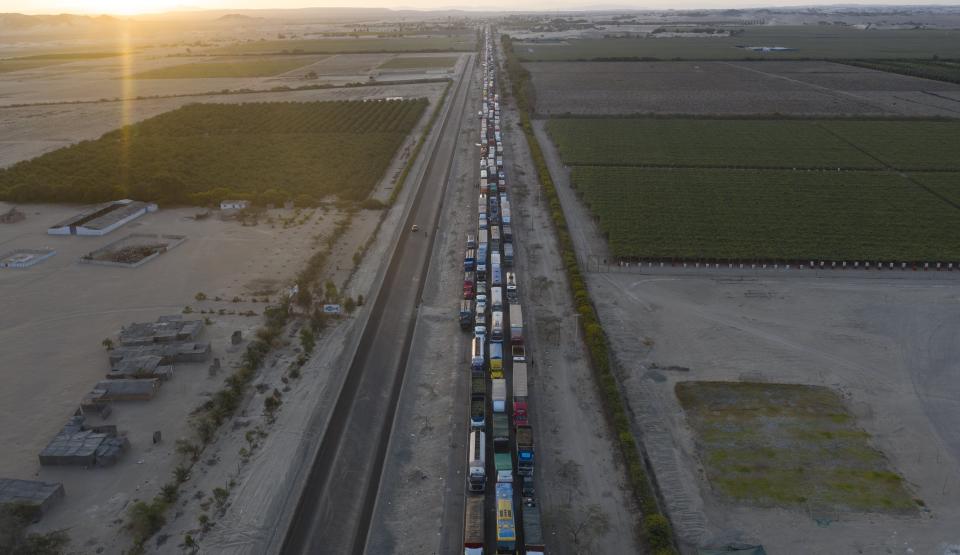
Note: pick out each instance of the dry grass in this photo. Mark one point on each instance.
(788, 445)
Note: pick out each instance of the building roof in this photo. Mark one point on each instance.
(103, 215)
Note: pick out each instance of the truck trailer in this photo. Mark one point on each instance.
(532, 530)
(516, 324)
(503, 462)
(520, 394)
(525, 450)
(499, 395)
(478, 402)
(501, 433)
(477, 360)
(473, 527)
(477, 461)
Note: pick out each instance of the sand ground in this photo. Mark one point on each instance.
(56, 314)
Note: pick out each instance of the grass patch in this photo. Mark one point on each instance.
(203, 153)
(769, 215)
(233, 67)
(782, 445)
(465, 42)
(420, 62)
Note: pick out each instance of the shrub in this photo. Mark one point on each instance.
(307, 339)
(657, 530)
(181, 474)
(145, 519)
(169, 493)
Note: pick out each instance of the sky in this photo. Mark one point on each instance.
(133, 7)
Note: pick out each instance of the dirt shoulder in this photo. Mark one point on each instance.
(580, 476)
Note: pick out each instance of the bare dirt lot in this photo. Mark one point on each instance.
(885, 342)
(26, 132)
(887, 346)
(798, 88)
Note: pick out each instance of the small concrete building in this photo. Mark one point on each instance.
(103, 218)
(78, 445)
(24, 258)
(167, 329)
(140, 366)
(169, 353)
(32, 493)
(234, 204)
(122, 389)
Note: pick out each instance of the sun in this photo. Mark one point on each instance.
(127, 7)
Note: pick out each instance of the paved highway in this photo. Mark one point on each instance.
(334, 511)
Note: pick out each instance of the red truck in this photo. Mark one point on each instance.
(468, 285)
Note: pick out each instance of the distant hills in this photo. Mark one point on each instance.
(22, 22)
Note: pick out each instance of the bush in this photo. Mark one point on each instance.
(307, 339)
(169, 493)
(271, 404)
(145, 519)
(657, 530)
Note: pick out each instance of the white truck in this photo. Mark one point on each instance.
(499, 395)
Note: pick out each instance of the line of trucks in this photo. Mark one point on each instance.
(490, 288)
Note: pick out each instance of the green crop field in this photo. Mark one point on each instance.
(201, 153)
(704, 143)
(905, 145)
(785, 445)
(233, 67)
(421, 62)
(768, 214)
(788, 144)
(947, 185)
(941, 70)
(768, 189)
(808, 41)
(334, 46)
